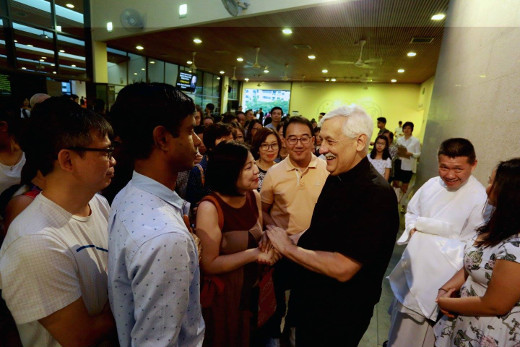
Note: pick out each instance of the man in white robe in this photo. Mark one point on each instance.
(441, 217)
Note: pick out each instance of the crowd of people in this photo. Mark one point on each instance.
(163, 224)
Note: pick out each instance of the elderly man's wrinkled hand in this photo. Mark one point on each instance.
(279, 238)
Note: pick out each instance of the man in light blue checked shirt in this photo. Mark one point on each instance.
(154, 279)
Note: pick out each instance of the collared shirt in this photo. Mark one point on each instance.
(413, 146)
(153, 268)
(346, 222)
(293, 193)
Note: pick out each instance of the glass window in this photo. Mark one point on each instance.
(136, 68)
(69, 20)
(36, 12)
(3, 50)
(117, 67)
(34, 49)
(266, 99)
(155, 70)
(71, 54)
(171, 72)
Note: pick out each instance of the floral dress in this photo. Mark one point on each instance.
(471, 331)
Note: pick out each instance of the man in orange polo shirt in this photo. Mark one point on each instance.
(289, 192)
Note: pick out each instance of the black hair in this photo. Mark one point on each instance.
(299, 120)
(210, 107)
(228, 117)
(505, 219)
(408, 124)
(381, 119)
(225, 164)
(56, 124)
(214, 132)
(141, 107)
(260, 137)
(250, 125)
(386, 152)
(457, 147)
(199, 129)
(390, 134)
(276, 108)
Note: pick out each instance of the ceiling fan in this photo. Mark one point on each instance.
(360, 63)
(235, 7)
(255, 65)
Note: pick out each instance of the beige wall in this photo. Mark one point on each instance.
(394, 101)
(477, 85)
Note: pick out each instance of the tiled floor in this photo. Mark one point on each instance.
(377, 332)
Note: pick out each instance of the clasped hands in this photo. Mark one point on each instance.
(273, 245)
(442, 295)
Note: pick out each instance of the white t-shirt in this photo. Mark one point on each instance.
(49, 259)
(380, 164)
(10, 175)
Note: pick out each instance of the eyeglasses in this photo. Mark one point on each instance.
(305, 139)
(108, 151)
(268, 146)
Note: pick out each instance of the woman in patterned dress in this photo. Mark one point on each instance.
(487, 310)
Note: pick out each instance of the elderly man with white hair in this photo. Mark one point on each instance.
(343, 255)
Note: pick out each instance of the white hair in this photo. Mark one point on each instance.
(357, 121)
(37, 98)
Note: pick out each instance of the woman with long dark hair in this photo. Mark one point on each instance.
(380, 157)
(481, 302)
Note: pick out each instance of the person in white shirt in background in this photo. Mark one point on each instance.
(442, 215)
(409, 150)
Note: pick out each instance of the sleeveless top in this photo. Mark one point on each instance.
(228, 318)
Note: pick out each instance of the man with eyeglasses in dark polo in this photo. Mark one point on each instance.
(53, 261)
(289, 192)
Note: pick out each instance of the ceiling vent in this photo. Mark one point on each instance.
(301, 46)
(421, 40)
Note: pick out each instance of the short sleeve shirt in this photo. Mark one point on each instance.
(293, 193)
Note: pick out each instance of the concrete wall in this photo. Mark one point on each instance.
(477, 85)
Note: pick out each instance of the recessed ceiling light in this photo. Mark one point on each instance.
(246, 79)
(152, 62)
(324, 70)
(42, 60)
(73, 65)
(143, 69)
(24, 68)
(29, 45)
(69, 5)
(287, 31)
(15, 41)
(44, 57)
(311, 57)
(139, 47)
(189, 62)
(266, 71)
(411, 54)
(218, 78)
(110, 26)
(240, 59)
(333, 80)
(197, 40)
(54, 72)
(327, 80)
(135, 73)
(438, 16)
(400, 70)
(189, 71)
(62, 51)
(393, 80)
(183, 10)
(222, 72)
